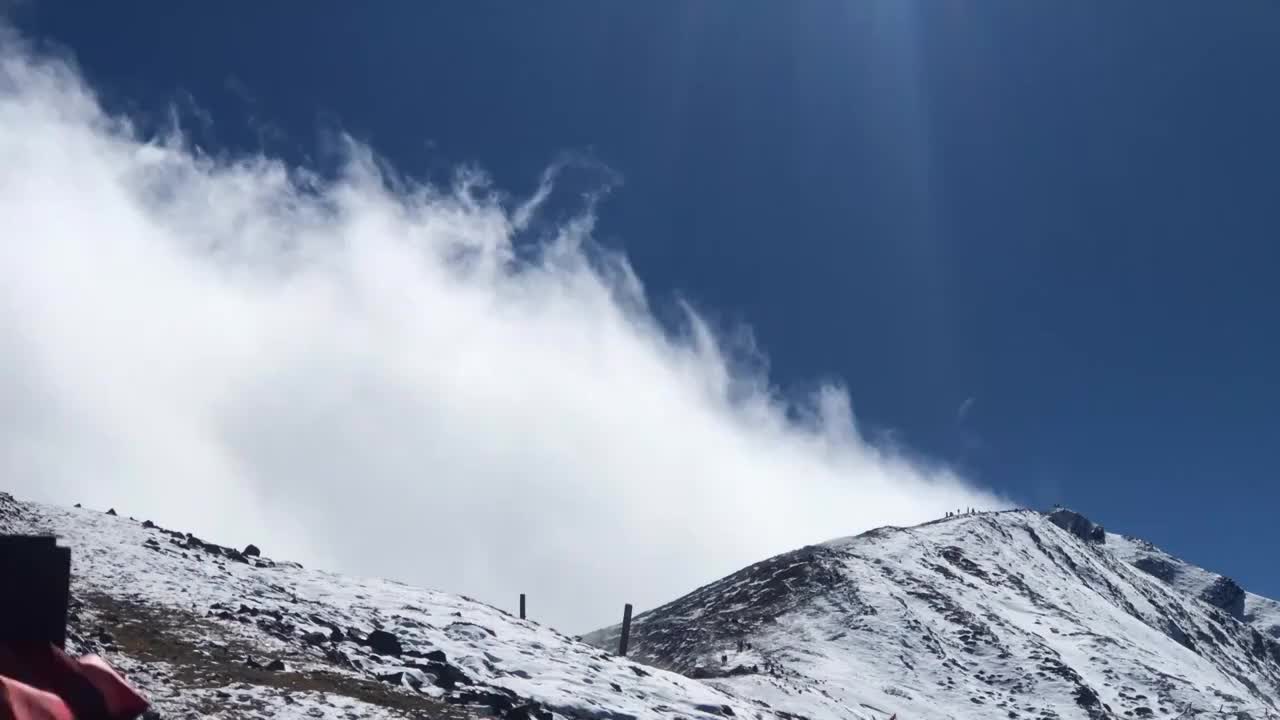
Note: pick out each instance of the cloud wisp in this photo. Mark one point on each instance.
(366, 373)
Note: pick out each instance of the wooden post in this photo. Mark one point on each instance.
(521, 606)
(626, 630)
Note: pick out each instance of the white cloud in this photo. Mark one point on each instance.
(365, 378)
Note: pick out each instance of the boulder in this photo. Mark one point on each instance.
(1226, 594)
(252, 551)
(383, 643)
(1078, 525)
(112, 511)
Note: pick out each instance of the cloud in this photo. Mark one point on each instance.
(389, 378)
(962, 412)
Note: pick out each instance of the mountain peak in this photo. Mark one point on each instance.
(1016, 614)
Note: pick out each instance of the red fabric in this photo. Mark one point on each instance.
(20, 701)
(42, 682)
(121, 699)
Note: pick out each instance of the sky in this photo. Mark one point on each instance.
(600, 303)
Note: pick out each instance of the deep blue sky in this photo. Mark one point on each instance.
(1066, 211)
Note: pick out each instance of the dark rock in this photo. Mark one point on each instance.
(276, 665)
(1161, 569)
(79, 505)
(527, 712)
(1227, 595)
(148, 524)
(383, 643)
(437, 656)
(237, 556)
(395, 678)
(112, 511)
(443, 675)
(315, 638)
(1078, 525)
(252, 664)
(339, 658)
(252, 551)
(498, 700)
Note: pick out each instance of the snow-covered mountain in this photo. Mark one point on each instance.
(210, 631)
(996, 615)
(1013, 614)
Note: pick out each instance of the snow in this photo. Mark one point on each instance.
(991, 615)
(146, 568)
(1260, 612)
(987, 615)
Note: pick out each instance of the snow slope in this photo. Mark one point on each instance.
(993, 615)
(1260, 612)
(208, 631)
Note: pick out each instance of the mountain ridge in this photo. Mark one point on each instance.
(938, 620)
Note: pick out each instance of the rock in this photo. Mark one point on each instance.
(148, 524)
(499, 700)
(395, 678)
(527, 712)
(383, 643)
(112, 511)
(79, 505)
(237, 556)
(443, 675)
(276, 665)
(339, 658)
(315, 638)
(252, 551)
(1078, 525)
(252, 664)
(1225, 594)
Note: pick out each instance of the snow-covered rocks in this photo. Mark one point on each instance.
(993, 615)
(210, 631)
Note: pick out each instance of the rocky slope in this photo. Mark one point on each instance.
(210, 631)
(996, 615)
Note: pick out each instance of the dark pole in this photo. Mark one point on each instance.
(626, 630)
(521, 606)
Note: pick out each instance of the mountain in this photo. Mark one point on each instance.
(1015, 614)
(211, 631)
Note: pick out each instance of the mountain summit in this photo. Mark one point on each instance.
(1015, 614)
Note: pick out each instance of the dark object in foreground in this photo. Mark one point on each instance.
(38, 681)
(37, 576)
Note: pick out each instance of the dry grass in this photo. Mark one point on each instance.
(201, 656)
